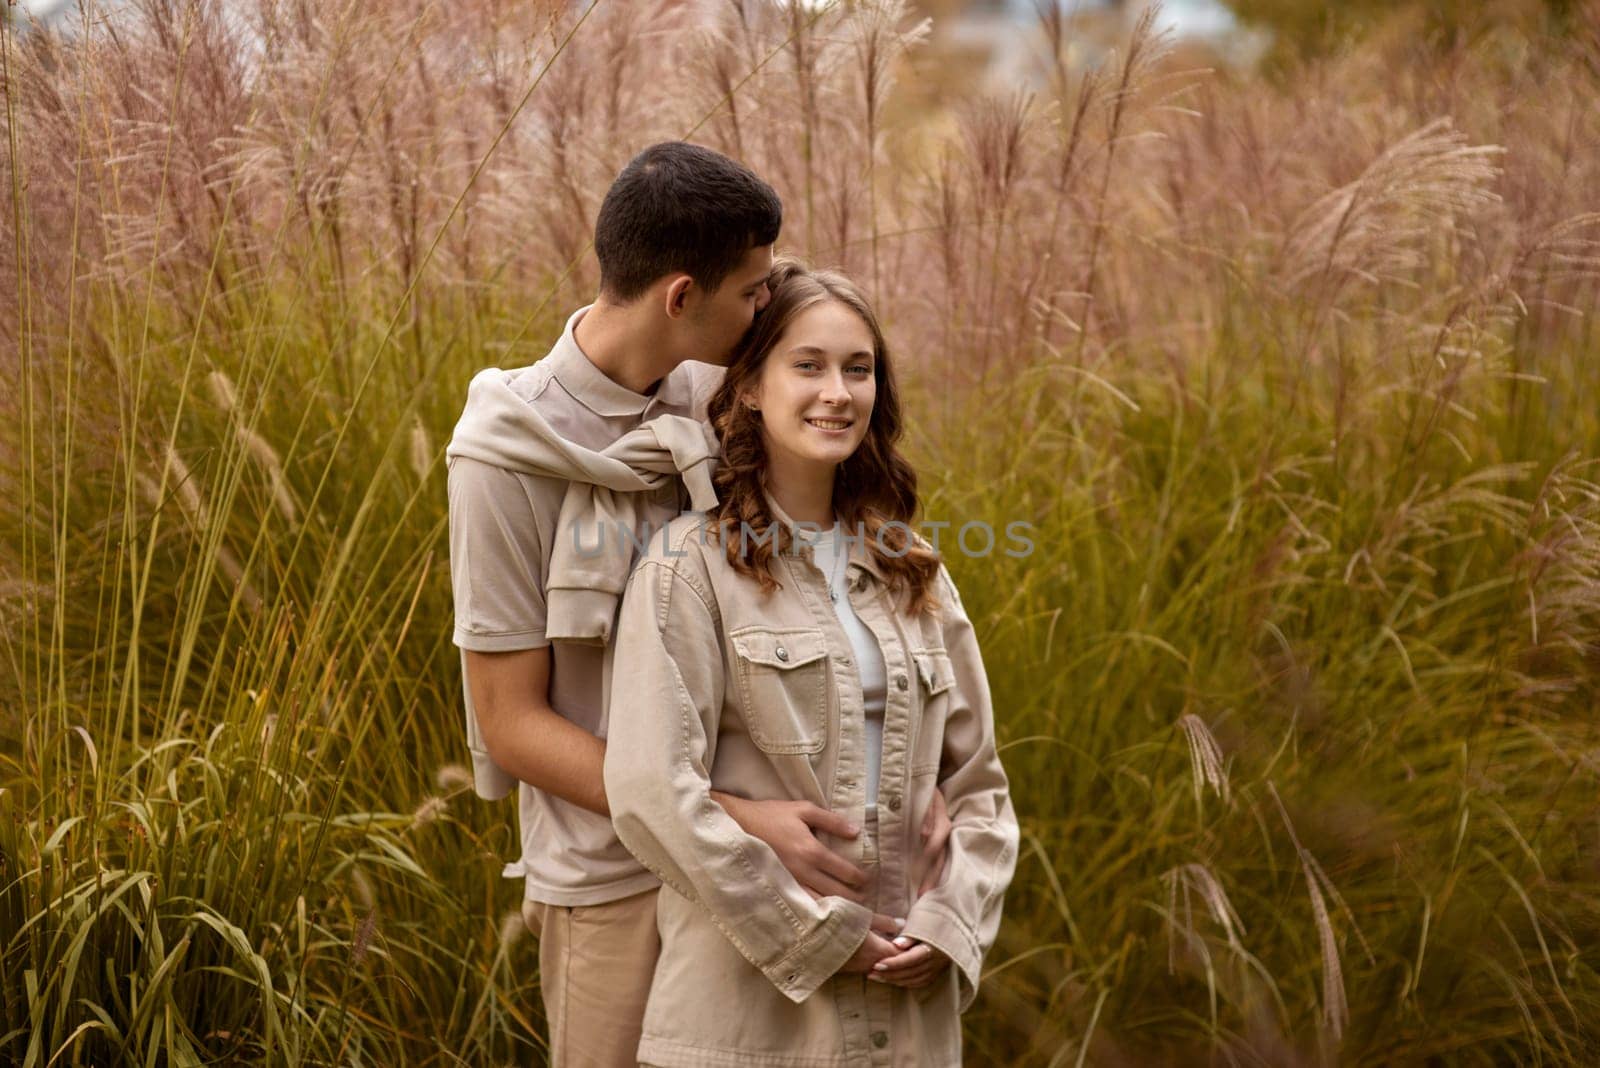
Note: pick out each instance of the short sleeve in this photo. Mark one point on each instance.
(705, 379)
(497, 562)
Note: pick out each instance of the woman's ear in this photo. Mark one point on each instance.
(749, 400)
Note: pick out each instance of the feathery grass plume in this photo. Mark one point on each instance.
(429, 810)
(1560, 572)
(1183, 884)
(1074, 102)
(1205, 757)
(1197, 880)
(363, 937)
(724, 50)
(452, 777)
(264, 454)
(996, 132)
(1147, 48)
(186, 491)
(805, 63)
(1335, 1006)
(222, 391)
(421, 449)
(1371, 228)
(362, 889)
(512, 928)
(881, 36)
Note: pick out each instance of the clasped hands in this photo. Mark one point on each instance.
(790, 828)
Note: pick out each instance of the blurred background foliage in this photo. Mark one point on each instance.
(1287, 356)
(1303, 29)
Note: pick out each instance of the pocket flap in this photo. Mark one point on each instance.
(781, 648)
(935, 670)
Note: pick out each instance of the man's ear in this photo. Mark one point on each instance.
(677, 295)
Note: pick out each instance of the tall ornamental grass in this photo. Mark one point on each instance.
(1293, 380)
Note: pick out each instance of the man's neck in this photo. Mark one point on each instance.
(621, 342)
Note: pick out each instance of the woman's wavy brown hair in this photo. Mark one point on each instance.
(873, 490)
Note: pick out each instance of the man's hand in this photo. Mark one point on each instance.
(874, 948)
(936, 827)
(789, 828)
(914, 964)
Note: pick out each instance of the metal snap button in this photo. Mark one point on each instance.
(894, 802)
(901, 682)
(880, 1039)
(783, 654)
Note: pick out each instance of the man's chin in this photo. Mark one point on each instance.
(740, 345)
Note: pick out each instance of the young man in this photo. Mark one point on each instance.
(684, 239)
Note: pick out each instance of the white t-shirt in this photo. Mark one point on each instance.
(830, 553)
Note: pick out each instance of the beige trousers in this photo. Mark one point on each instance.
(595, 965)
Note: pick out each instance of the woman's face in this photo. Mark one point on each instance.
(816, 389)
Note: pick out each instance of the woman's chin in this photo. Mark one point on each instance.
(833, 457)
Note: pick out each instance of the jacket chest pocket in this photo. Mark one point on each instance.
(783, 679)
(935, 677)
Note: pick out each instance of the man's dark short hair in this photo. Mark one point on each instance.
(680, 207)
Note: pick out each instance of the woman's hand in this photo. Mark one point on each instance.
(790, 827)
(873, 949)
(915, 964)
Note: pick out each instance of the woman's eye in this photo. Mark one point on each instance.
(806, 365)
(861, 369)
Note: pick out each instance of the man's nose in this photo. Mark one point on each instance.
(763, 297)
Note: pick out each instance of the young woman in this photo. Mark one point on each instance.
(802, 644)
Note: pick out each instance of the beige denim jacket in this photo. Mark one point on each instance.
(715, 685)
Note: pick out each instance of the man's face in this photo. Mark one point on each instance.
(722, 318)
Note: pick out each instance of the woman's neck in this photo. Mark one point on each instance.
(804, 491)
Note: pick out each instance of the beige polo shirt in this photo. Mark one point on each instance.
(502, 531)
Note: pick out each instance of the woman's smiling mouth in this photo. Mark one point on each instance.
(830, 424)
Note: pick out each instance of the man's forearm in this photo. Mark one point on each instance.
(554, 754)
(525, 736)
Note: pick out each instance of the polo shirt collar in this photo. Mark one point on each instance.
(586, 382)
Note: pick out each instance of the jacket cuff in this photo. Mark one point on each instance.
(818, 957)
(944, 930)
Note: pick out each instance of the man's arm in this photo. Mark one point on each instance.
(528, 738)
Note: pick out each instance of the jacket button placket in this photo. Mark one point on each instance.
(881, 997)
(847, 794)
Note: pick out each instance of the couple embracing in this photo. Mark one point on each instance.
(763, 820)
